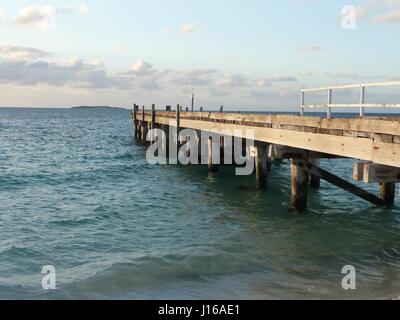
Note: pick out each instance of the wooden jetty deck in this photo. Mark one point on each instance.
(373, 143)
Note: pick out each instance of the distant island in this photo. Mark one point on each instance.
(97, 107)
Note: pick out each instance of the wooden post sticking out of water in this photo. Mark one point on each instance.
(178, 123)
(211, 166)
(153, 121)
(262, 150)
(388, 193)
(222, 150)
(144, 126)
(136, 122)
(315, 181)
(300, 181)
(153, 116)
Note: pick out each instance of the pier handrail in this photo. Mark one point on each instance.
(362, 105)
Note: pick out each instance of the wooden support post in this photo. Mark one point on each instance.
(135, 120)
(178, 120)
(262, 164)
(144, 126)
(315, 181)
(388, 193)
(211, 166)
(199, 146)
(269, 158)
(300, 180)
(153, 121)
(153, 116)
(222, 150)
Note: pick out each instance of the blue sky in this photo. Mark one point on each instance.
(242, 54)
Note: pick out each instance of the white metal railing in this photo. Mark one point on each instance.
(362, 105)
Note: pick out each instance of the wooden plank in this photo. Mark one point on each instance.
(339, 146)
(387, 125)
(351, 147)
(339, 182)
(387, 138)
(284, 152)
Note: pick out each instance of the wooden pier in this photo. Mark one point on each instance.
(373, 143)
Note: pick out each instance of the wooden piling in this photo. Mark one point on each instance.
(178, 117)
(315, 181)
(152, 125)
(136, 122)
(300, 181)
(261, 164)
(212, 167)
(144, 128)
(388, 193)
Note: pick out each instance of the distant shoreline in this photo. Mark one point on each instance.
(97, 107)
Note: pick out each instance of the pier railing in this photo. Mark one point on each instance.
(362, 105)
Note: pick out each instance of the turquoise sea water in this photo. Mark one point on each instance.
(76, 193)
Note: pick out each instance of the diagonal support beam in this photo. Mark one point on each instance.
(339, 182)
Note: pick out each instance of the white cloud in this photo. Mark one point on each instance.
(391, 17)
(189, 27)
(306, 73)
(380, 11)
(30, 68)
(141, 67)
(311, 48)
(43, 18)
(13, 52)
(35, 17)
(167, 29)
(2, 16)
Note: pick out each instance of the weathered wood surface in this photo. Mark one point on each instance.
(300, 182)
(388, 193)
(370, 139)
(261, 162)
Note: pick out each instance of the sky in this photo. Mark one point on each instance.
(253, 54)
